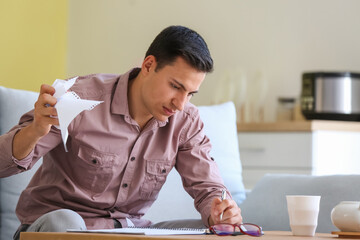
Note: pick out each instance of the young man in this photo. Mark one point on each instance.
(121, 151)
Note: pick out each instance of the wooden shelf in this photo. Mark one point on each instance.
(299, 126)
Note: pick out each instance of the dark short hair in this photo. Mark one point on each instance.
(179, 41)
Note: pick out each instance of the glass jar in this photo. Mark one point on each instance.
(285, 109)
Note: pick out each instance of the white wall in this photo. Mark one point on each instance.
(279, 39)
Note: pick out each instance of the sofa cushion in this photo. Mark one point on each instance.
(13, 103)
(266, 203)
(220, 127)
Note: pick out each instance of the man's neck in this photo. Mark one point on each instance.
(137, 109)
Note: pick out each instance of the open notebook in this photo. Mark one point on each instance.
(147, 231)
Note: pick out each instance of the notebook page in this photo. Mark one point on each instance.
(146, 231)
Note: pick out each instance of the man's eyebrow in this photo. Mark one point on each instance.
(183, 87)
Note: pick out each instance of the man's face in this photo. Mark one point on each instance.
(168, 89)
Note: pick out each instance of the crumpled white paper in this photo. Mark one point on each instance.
(69, 105)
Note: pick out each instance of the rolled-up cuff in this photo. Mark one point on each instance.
(25, 162)
(6, 147)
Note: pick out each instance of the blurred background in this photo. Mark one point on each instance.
(260, 47)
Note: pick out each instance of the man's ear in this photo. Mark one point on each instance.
(149, 64)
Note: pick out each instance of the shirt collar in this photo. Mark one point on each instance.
(120, 104)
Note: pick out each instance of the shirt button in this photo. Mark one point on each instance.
(132, 158)
(94, 161)
(125, 185)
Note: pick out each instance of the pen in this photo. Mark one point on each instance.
(223, 197)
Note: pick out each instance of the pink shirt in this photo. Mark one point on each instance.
(113, 170)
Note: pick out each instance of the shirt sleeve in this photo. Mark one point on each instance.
(9, 165)
(199, 172)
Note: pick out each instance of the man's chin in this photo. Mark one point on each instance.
(161, 118)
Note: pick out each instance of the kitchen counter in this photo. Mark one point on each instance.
(316, 147)
(299, 126)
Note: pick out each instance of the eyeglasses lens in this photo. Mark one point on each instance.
(250, 229)
(223, 229)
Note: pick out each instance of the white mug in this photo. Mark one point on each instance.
(303, 214)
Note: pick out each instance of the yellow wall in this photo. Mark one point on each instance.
(33, 42)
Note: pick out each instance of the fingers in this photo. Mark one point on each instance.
(227, 207)
(232, 215)
(45, 104)
(231, 212)
(216, 208)
(47, 89)
(45, 97)
(45, 111)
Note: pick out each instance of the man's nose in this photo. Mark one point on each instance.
(180, 101)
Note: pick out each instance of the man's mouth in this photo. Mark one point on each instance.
(168, 111)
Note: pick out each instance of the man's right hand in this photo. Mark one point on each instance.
(44, 113)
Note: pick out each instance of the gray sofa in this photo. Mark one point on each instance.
(264, 205)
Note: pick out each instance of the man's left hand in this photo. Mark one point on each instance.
(229, 208)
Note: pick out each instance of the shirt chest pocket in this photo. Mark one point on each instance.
(155, 175)
(92, 169)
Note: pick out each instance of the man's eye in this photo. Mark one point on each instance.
(174, 86)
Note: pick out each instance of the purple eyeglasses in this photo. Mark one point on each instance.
(225, 229)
